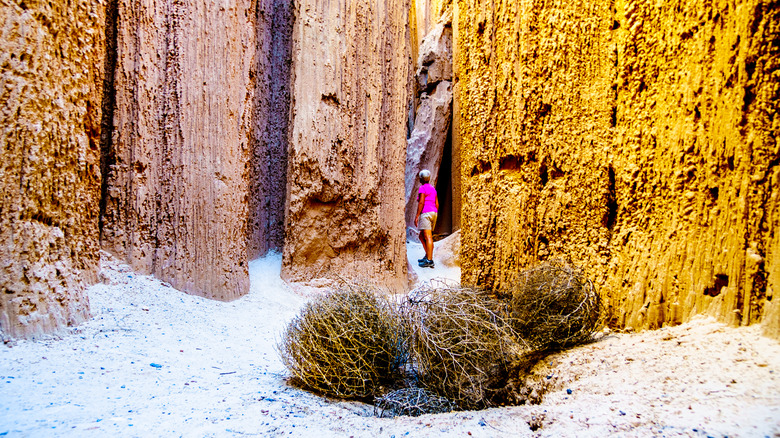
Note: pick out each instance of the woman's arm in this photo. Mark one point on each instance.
(420, 204)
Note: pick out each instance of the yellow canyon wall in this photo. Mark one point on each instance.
(50, 100)
(636, 139)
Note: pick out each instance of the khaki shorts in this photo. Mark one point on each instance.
(428, 221)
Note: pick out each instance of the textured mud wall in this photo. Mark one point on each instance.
(178, 178)
(271, 115)
(50, 97)
(698, 179)
(426, 14)
(636, 139)
(345, 189)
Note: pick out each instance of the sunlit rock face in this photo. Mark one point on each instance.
(178, 180)
(639, 141)
(345, 193)
(49, 161)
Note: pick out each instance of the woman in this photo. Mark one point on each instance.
(427, 212)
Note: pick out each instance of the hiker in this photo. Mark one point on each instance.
(427, 212)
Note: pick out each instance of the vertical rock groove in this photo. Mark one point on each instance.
(270, 122)
(107, 158)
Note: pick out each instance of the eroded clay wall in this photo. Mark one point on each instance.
(270, 126)
(50, 100)
(636, 139)
(345, 206)
(178, 173)
(426, 14)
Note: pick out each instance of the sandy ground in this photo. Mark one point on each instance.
(156, 362)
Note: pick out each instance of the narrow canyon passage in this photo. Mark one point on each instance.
(188, 138)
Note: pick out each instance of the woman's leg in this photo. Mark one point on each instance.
(427, 241)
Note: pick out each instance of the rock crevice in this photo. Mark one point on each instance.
(432, 122)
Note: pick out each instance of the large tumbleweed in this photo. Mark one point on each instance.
(447, 347)
(462, 343)
(345, 344)
(553, 305)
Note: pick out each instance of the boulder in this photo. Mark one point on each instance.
(447, 250)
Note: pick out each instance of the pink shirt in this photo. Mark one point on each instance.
(430, 198)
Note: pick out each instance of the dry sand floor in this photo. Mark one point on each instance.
(156, 362)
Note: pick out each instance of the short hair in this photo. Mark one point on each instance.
(425, 176)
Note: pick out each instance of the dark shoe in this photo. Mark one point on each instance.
(422, 259)
(427, 264)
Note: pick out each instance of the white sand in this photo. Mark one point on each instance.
(219, 375)
(414, 251)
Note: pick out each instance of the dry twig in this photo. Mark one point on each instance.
(412, 402)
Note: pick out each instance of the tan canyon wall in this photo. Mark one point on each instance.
(637, 139)
(344, 214)
(178, 178)
(423, 16)
(50, 100)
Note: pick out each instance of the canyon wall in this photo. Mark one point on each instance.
(424, 16)
(270, 126)
(50, 100)
(177, 183)
(344, 213)
(426, 145)
(636, 139)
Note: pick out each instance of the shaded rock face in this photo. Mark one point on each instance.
(177, 173)
(50, 163)
(425, 15)
(435, 55)
(426, 144)
(344, 214)
(640, 143)
(425, 147)
(271, 115)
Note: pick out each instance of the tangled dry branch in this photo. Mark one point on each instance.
(554, 305)
(461, 342)
(345, 344)
(412, 402)
(448, 346)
